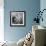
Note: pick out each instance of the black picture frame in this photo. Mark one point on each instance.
(17, 18)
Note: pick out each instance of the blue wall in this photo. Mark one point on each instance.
(30, 6)
(43, 6)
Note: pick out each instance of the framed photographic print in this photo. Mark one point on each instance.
(17, 18)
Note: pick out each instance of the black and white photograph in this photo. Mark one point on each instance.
(17, 18)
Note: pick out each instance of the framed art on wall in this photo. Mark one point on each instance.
(17, 18)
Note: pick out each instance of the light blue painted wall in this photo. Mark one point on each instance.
(43, 6)
(30, 6)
